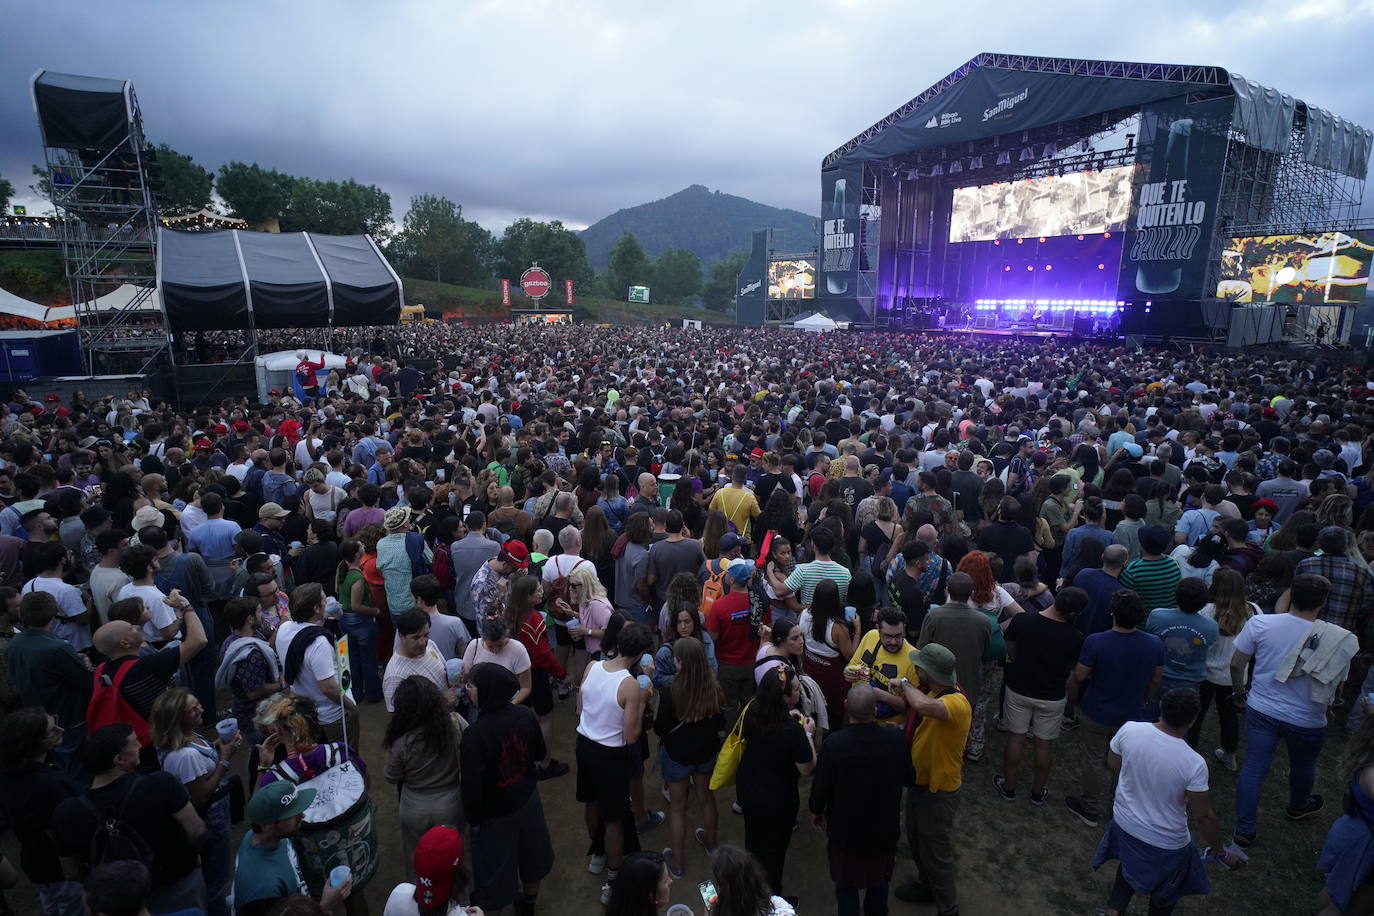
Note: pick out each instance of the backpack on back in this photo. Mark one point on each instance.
(714, 586)
(107, 705)
(115, 840)
(558, 588)
(442, 567)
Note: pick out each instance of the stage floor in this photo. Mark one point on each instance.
(1023, 332)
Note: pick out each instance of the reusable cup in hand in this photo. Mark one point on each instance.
(454, 668)
(227, 728)
(339, 874)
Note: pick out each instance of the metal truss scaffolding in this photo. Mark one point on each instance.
(105, 198)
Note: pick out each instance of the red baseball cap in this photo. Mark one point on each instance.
(219, 429)
(241, 426)
(203, 445)
(437, 854)
(516, 554)
(756, 453)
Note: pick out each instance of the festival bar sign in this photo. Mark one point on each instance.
(568, 292)
(505, 293)
(536, 282)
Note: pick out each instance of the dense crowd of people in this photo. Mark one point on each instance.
(824, 569)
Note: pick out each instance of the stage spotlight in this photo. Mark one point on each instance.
(1080, 238)
(1020, 241)
(1102, 267)
(996, 241)
(1106, 235)
(937, 170)
(1049, 150)
(1008, 267)
(1042, 240)
(1027, 154)
(1030, 267)
(955, 168)
(1049, 267)
(976, 162)
(1004, 157)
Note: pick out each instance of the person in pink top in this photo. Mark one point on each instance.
(587, 600)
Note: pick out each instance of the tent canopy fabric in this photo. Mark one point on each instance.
(82, 112)
(232, 279)
(10, 304)
(815, 322)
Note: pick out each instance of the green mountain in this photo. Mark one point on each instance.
(709, 223)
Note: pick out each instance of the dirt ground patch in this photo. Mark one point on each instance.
(1014, 858)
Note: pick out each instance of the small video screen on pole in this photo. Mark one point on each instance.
(1053, 205)
(1300, 269)
(795, 279)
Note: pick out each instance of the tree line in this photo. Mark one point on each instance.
(434, 240)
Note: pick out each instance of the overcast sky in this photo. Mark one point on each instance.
(572, 109)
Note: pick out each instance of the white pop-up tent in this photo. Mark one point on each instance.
(276, 370)
(814, 322)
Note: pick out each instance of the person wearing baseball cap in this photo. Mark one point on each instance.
(937, 754)
(489, 583)
(442, 875)
(267, 869)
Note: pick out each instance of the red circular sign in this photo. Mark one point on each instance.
(536, 282)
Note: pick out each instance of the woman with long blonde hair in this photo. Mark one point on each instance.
(689, 723)
(1230, 610)
(203, 768)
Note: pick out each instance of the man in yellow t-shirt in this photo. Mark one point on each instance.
(736, 501)
(882, 657)
(937, 753)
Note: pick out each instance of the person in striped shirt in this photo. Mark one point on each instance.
(1154, 576)
(804, 579)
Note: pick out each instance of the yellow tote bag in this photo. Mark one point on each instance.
(727, 761)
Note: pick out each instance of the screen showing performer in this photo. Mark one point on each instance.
(1074, 204)
(791, 280)
(1306, 269)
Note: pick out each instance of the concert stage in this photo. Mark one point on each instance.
(1128, 198)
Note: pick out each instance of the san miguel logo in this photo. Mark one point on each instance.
(536, 282)
(1006, 104)
(753, 287)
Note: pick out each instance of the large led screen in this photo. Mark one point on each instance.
(1315, 268)
(1074, 204)
(791, 280)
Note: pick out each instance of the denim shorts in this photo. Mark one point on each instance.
(677, 772)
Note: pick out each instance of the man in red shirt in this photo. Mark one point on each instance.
(736, 639)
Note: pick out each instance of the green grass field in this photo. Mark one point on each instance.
(480, 303)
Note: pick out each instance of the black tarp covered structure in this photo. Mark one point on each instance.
(82, 112)
(233, 279)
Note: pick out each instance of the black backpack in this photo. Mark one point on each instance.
(115, 839)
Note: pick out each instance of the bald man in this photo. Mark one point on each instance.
(858, 766)
(119, 692)
(647, 500)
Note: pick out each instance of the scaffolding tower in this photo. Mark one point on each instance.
(102, 178)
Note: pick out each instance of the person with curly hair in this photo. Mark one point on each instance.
(421, 745)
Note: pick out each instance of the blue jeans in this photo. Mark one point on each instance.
(847, 901)
(1151, 710)
(1262, 739)
(362, 656)
(1356, 716)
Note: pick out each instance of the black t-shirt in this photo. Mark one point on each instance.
(150, 811)
(29, 799)
(854, 490)
(1008, 540)
(767, 777)
(763, 487)
(149, 679)
(903, 593)
(1045, 653)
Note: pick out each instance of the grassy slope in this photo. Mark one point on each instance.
(483, 303)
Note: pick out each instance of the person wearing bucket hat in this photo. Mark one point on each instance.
(402, 556)
(266, 868)
(937, 755)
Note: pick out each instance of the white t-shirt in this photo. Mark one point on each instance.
(1219, 653)
(105, 583)
(318, 665)
(69, 604)
(1269, 638)
(401, 902)
(513, 656)
(160, 613)
(1157, 773)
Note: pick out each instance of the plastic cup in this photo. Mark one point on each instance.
(339, 874)
(574, 622)
(646, 660)
(227, 729)
(643, 681)
(454, 668)
(679, 909)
